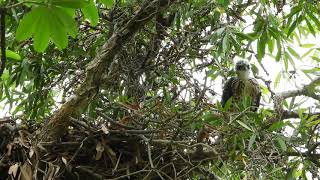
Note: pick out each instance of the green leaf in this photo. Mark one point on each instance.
(313, 123)
(313, 70)
(245, 36)
(277, 80)
(292, 27)
(228, 104)
(307, 45)
(244, 125)
(294, 53)
(251, 141)
(27, 25)
(315, 58)
(310, 27)
(41, 36)
(58, 35)
(74, 4)
(279, 53)
(276, 126)
(91, 13)
(294, 11)
(271, 45)
(314, 19)
(12, 55)
(225, 43)
(307, 53)
(282, 144)
(67, 21)
(262, 46)
(107, 3)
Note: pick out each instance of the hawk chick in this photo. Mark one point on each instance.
(242, 86)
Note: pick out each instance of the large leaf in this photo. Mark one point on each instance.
(41, 36)
(75, 4)
(47, 22)
(28, 24)
(67, 21)
(58, 35)
(91, 13)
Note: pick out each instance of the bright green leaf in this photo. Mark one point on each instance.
(294, 53)
(107, 3)
(28, 24)
(307, 45)
(91, 13)
(277, 126)
(12, 55)
(41, 37)
(68, 22)
(271, 45)
(277, 80)
(75, 4)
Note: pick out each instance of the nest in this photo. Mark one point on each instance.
(99, 151)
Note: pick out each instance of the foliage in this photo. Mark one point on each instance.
(163, 78)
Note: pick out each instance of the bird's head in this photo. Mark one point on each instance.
(243, 69)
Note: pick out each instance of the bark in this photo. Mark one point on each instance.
(59, 122)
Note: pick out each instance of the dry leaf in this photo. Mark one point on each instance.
(13, 169)
(9, 147)
(99, 149)
(31, 152)
(104, 129)
(26, 171)
(64, 160)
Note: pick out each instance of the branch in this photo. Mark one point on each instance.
(303, 91)
(87, 90)
(307, 90)
(3, 39)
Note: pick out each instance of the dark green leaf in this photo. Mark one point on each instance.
(292, 27)
(310, 27)
(262, 46)
(279, 53)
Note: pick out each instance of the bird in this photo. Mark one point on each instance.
(241, 86)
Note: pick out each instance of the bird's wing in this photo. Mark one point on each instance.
(256, 93)
(227, 91)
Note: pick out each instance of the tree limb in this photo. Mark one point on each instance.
(87, 90)
(307, 90)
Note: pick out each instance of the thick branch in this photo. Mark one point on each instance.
(89, 88)
(307, 90)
